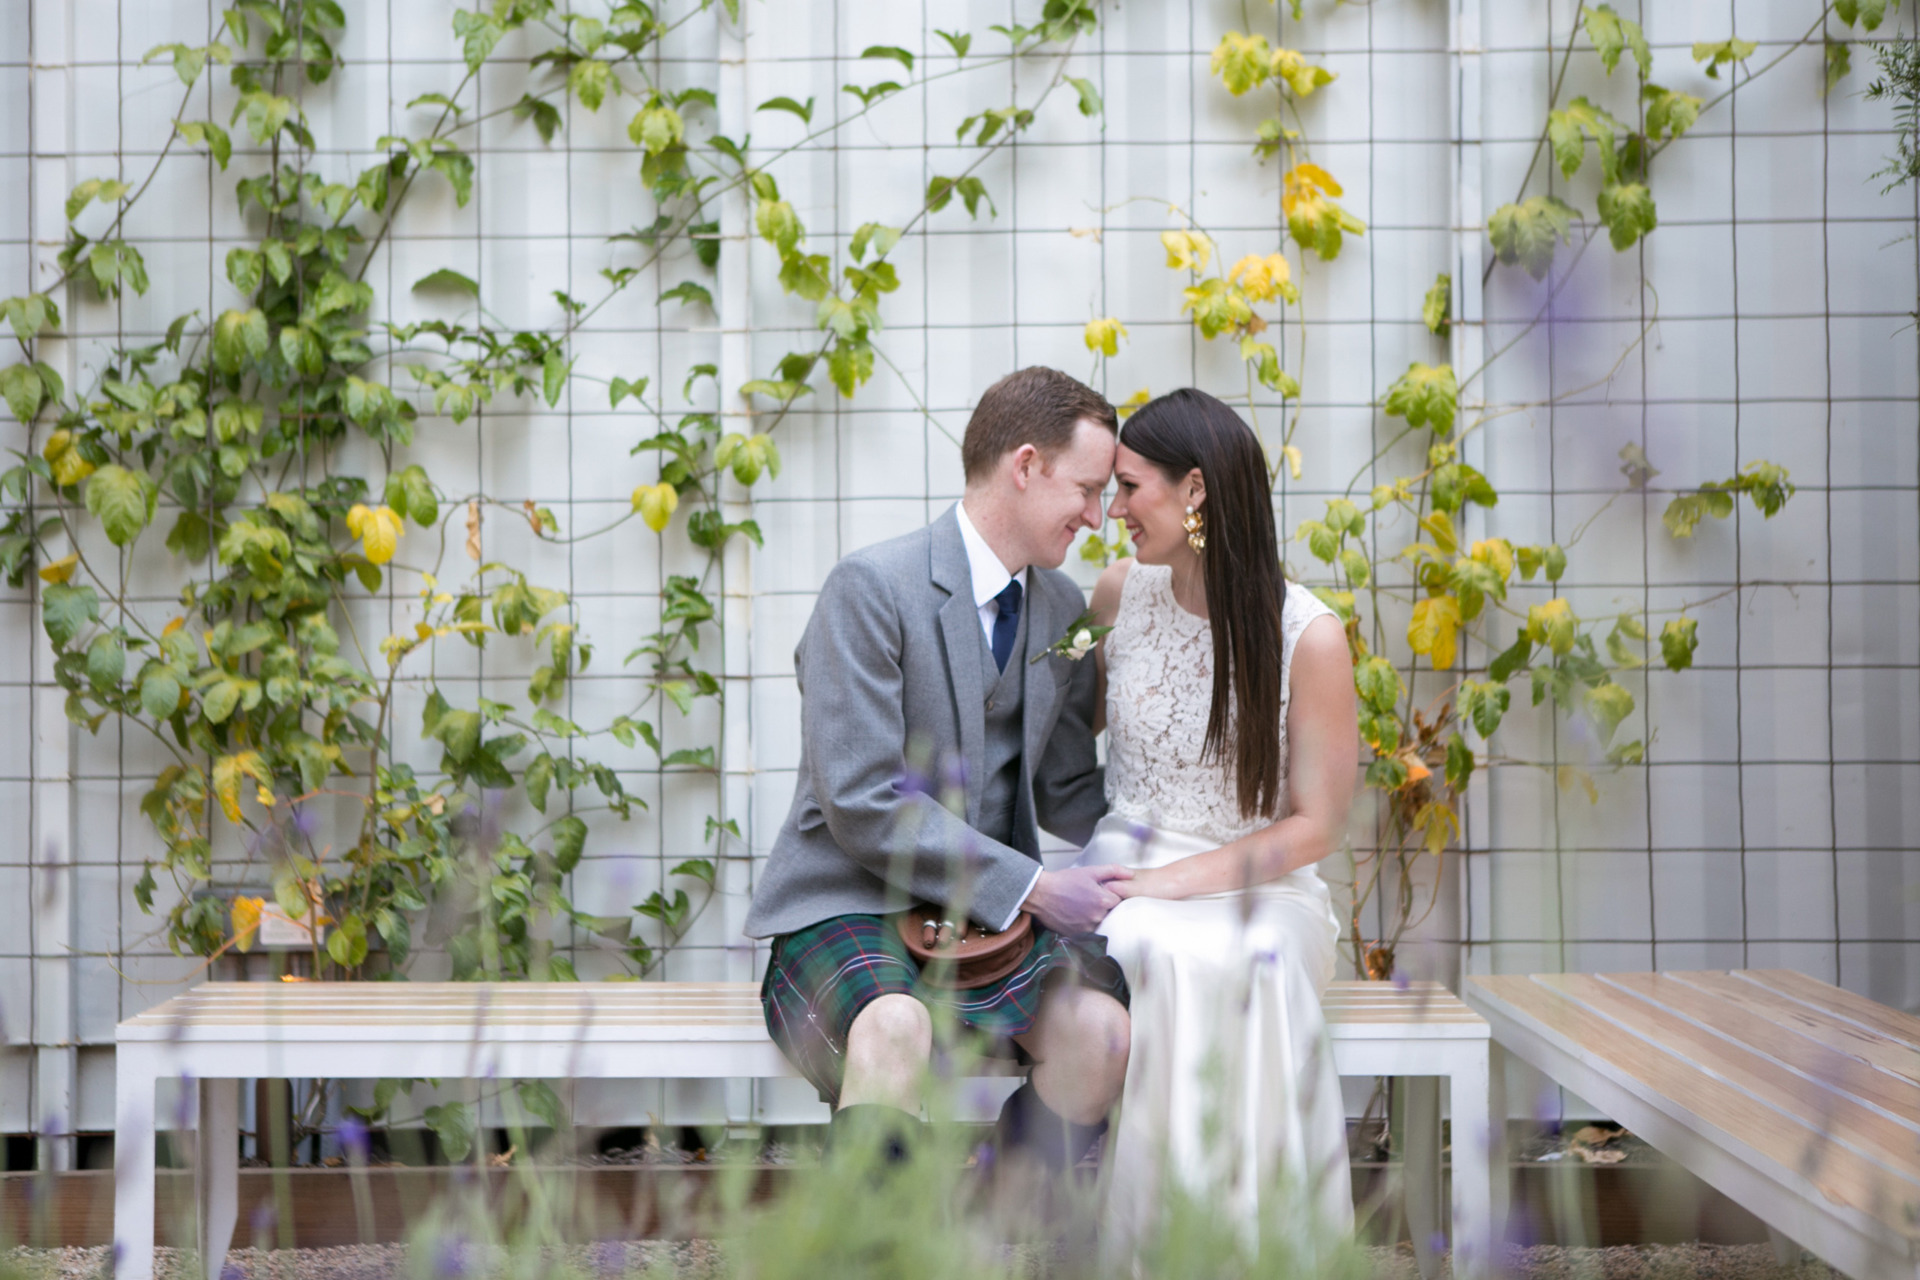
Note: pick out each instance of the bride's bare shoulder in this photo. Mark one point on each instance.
(1106, 592)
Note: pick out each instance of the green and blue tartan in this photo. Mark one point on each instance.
(820, 978)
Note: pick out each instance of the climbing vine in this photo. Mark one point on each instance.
(238, 440)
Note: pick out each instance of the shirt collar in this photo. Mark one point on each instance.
(990, 577)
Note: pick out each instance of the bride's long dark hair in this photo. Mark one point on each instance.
(1240, 569)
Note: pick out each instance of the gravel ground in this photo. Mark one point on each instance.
(701, 1260)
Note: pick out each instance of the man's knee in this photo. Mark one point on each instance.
(1094, 1026)
(894, 1026)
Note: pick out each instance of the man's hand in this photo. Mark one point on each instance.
(1075, 900)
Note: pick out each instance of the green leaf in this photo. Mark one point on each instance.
(205, 133)
(24, 391)
(545, 116)
(1483, 703)
(1459, 762)
(958, 41)
(569, 839)
(1628, 211)
(1510, 660)
(1425, 395)
(122, 500)
(105, 190)
(452, 1123)
(657, 128)
(554, 368)
(687, 291)
(701, 869)
(1607, 706)
(1733, 49)
(457, 168)
(159, 693)
(1568, 131)
(239, 336)
(1527, 232)
(778, 225)
(66, 610)
(539, 1098)
(1090, 103)
(459, 732)
(1866, 13)
(1437, 308)
(446, 279)
(898, 55)
(106, 662)
(1678, 640)
(1685, 512)
(1839, 63)
(804, 111)
(244, 268)
(30, 314)
(479, 32)
(1670, 114)
(872, 234)
(410, 493)
(1611, 34)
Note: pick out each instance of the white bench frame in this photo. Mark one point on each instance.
(222, 1033)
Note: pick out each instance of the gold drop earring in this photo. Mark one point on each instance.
(1196, 527)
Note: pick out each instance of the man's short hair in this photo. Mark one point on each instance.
(1037, 406)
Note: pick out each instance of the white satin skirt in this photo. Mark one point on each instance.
(1231, 1088)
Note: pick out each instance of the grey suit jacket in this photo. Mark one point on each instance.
(893, 695)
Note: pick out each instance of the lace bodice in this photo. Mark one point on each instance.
(1159, 691)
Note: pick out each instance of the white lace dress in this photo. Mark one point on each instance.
(1230, 1087)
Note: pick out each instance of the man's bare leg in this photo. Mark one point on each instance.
(1080, 1042)
(888, 1049)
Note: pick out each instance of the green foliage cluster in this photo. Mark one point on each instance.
(269, 704)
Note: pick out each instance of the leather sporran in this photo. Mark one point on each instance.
(962, 955)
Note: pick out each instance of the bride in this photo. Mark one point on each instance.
(1232, 753)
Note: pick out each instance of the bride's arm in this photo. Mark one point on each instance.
(1323, 754)
(1106, 607)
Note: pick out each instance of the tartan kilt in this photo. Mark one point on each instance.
(820, 978)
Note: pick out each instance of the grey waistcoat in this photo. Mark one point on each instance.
(893, 705)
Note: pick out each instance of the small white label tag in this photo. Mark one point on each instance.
(278, 930)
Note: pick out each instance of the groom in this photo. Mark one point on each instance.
(918, 675)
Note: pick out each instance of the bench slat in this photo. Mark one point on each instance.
(1740, 1067)
(1794, 1148)
(1783, 1044)
(1813, 1022)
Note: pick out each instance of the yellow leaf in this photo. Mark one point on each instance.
(1441, 528)
(1300, 184)
(1293, 457)
(1264, 278)
(1416, 767)
(1497, 553)
(1133, 403)
(173, 626)
(1187, 249)
(264, 796)
(60, 570)
(1552, 624)
(62, 452)
(656, 504)
(1104, 335)
(1568, 777)
(246, 921)
(227, 772)
(378, 528)
(1301, 76)
(1435, 629)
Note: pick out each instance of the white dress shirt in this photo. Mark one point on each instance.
(990, 578)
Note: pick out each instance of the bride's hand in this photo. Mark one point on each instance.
(1142, 885)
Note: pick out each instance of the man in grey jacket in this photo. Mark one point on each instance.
(940, 729)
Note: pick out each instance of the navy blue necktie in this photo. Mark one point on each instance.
(1007, 623)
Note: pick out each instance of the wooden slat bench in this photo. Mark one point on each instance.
(221, 1033)
(1796, 1099)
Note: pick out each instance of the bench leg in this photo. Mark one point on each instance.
(1420, 1172)
(1473, 1169)
(219, 1172)
(133, 1177)
(1785, 1251)
(1499, 1155)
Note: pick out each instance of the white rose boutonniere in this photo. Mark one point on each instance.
(1078, 641)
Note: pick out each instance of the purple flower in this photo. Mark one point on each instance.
(1400, 980)
(1139, 832)
(450, 1258)
(353, 1137)
(264, 1217)
(232, 1271)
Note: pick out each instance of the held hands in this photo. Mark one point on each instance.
(1076, 900)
